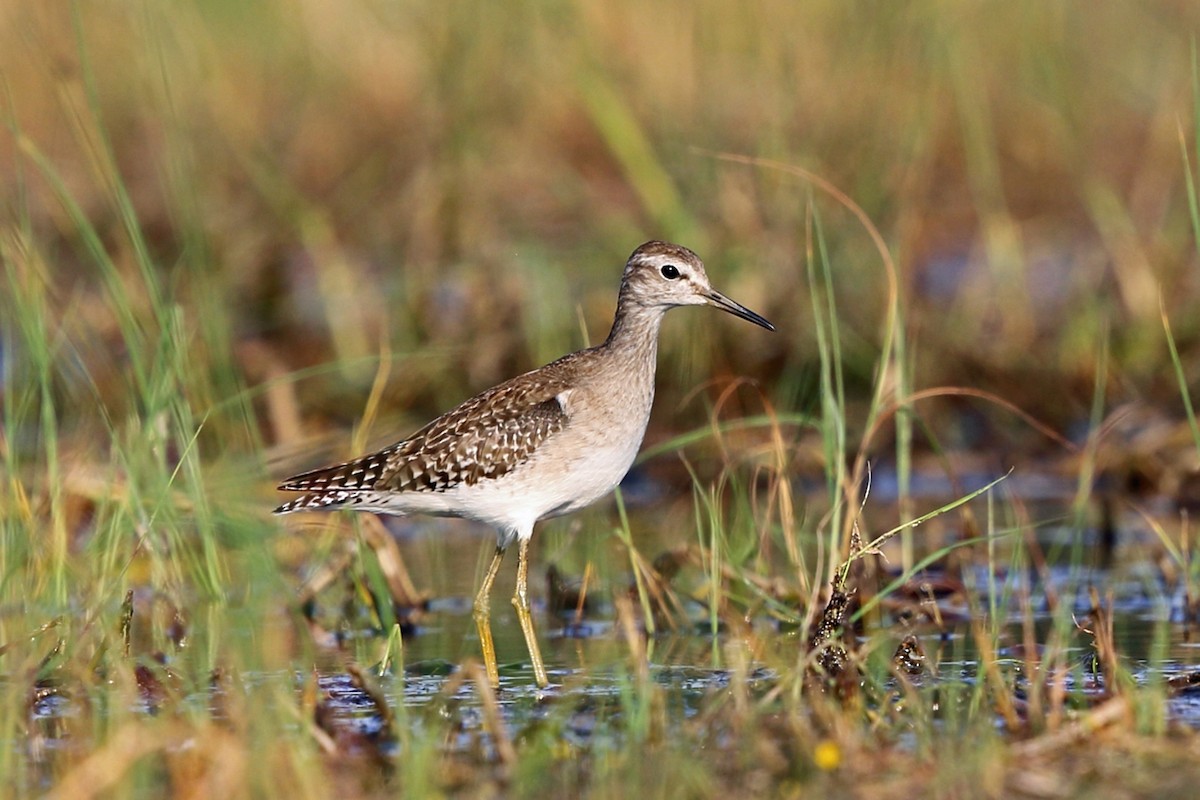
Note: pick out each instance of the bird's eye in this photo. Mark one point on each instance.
(670, 271)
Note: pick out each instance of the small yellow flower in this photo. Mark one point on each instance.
(827, 755)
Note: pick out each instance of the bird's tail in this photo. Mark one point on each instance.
(341, 485)
(320, 501)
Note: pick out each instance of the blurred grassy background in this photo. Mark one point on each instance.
(226, 225)
(315, 181)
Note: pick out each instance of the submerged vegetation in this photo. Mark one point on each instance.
(932, 538)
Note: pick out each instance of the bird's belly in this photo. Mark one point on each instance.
(556, 481)
(592, 475)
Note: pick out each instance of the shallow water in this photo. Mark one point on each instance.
(586, 657)
(590, 665)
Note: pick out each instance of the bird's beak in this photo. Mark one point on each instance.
(722, 302)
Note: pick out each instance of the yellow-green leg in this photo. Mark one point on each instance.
(483, 618)
(521, 602)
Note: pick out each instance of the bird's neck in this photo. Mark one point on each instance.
(633, 346)
(634, 332)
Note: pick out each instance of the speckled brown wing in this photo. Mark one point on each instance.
(485, 437)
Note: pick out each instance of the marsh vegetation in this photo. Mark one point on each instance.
(239, 240)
